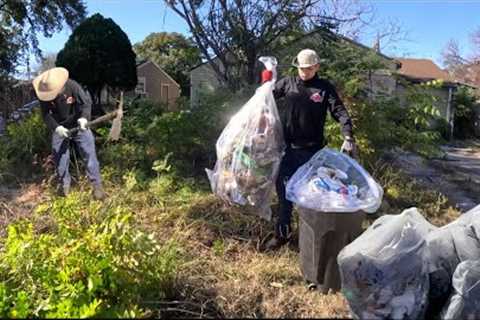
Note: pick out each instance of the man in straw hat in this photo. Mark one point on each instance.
(65, 105)
(307, 99)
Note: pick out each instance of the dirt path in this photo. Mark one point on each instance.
(456, 175)
(17, 203)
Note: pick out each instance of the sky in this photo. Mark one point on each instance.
(428, 24)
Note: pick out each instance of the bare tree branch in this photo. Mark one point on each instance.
(236, 32)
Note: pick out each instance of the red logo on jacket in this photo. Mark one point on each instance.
(317, 97)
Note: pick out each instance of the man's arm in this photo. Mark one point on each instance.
(280, 88)
(339, 113)
(83, 101)
(50, 122)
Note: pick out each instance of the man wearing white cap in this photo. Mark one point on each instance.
(65, 105)
(307, 100)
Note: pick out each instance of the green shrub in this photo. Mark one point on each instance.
(25, 146)
(94, 262)
(464, 103)
(188, 136)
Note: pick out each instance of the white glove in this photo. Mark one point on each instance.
(62, 131)
(82, 122)
(349, 147)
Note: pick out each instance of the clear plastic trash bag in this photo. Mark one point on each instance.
(465, 300)
(384, 272)
(331, 181)
(249, 151)
(448, 246)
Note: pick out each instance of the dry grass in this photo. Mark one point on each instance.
(222, 273)
(18, 203)
(226, 276)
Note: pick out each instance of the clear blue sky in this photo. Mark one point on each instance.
(430, 24)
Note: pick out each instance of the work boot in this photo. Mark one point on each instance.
(282, 237)
(311, 286)
(63, 191)
(98, 193)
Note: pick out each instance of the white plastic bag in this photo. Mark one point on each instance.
(384, 272)
(448, 246)
(249, 151)
(465, 301)
(333, 182)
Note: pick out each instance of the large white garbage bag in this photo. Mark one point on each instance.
(331, 181)
(384, 272)
(249, 151)
(448, 246)
(465, 301)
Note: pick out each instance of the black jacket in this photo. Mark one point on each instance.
(58, 112)
(303, 110)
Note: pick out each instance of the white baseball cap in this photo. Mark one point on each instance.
(306, 58)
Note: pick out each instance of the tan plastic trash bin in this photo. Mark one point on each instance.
(321, 237)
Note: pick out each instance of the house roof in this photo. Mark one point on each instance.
(421, 69)
(470, 74)
(146, 62)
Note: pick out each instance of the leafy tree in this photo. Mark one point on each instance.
(21, 21)
(99, 53)
(173, 53)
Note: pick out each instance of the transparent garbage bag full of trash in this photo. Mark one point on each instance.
(384, 272)
(331, 181)
(249, 151)
(464, 303)
(447, 247)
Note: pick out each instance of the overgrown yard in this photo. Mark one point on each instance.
(218, 270)
(162, 244)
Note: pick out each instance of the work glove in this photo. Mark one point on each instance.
(62, 131)
(349, 147)
(82, 123)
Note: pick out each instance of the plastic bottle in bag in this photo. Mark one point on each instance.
(333, 182)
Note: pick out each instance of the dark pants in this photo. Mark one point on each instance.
(85, 143)
(291, 161)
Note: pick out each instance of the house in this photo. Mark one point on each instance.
(154, 84)
(423, 70)
(470, 74)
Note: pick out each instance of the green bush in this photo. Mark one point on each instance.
(94, 262)
(464, 102)
(188, 136)
(25, 146)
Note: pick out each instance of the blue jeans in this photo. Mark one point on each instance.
(291, 161)
(85, 143)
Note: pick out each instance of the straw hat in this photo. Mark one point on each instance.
(306, 58)
(50, 83)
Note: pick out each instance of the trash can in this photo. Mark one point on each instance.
(322, 236)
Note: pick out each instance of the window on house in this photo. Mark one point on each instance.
(141, 87)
